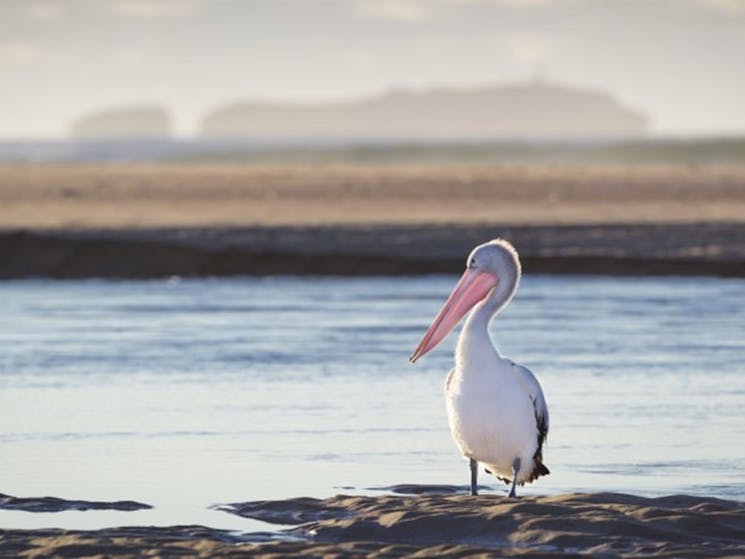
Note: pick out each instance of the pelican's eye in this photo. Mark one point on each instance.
(472, 263)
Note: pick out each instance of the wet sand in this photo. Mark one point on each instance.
(55, 504)
(681, 249)
(428, 525)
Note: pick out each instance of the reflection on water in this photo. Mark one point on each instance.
(182, 394)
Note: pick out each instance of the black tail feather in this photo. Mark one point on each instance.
(538, 470)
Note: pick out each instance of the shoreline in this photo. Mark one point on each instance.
(682, 249)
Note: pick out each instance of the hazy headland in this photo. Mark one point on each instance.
(528, 110)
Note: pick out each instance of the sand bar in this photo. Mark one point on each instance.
(228, 195)
(159, 220)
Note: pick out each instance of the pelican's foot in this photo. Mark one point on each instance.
(474, 476)
(515, 471)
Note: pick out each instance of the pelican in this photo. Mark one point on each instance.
(496, 409)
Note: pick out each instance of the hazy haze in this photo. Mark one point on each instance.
(681, 61)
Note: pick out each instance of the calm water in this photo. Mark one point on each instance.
(187, 393)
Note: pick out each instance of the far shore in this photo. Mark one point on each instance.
(160, 220)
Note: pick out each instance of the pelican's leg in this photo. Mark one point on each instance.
(474, 477)
(515, 471)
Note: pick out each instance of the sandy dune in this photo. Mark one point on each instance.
(598, 525)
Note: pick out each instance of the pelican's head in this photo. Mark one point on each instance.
(493, 266)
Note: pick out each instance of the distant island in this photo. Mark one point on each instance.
(535, 110)
(144, 122)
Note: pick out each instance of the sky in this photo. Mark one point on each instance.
(680, 61)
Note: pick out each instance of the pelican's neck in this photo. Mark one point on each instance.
(475, 346)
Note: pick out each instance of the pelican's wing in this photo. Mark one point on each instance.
(539, 404)
(541, 418)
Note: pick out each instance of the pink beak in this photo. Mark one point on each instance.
(473, 286)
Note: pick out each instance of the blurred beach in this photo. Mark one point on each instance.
(214, 219)
(233, 195)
